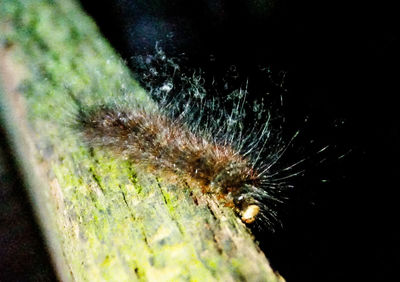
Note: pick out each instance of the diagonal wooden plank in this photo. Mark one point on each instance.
(104, 217)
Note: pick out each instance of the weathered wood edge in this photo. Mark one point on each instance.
(23, 155)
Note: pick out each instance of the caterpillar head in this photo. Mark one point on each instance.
(235, 179)
(249, 214)
(247, 207)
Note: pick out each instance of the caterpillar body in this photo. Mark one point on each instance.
(205, 142)
(155, 139)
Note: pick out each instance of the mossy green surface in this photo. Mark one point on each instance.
(113, 221)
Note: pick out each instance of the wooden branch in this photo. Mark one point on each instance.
(103, 218)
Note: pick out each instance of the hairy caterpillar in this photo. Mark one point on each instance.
(207, 141)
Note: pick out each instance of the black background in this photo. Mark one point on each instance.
(341, 59)
(23, 255)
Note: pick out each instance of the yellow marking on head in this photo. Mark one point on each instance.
(250, 213)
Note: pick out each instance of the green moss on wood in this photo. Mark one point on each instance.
(111, 220)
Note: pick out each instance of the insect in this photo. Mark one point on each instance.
(206, 141)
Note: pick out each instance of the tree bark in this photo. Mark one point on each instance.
(103, 217)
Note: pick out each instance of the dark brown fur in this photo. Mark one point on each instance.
(154, 139)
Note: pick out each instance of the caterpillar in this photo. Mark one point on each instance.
(205, 141)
